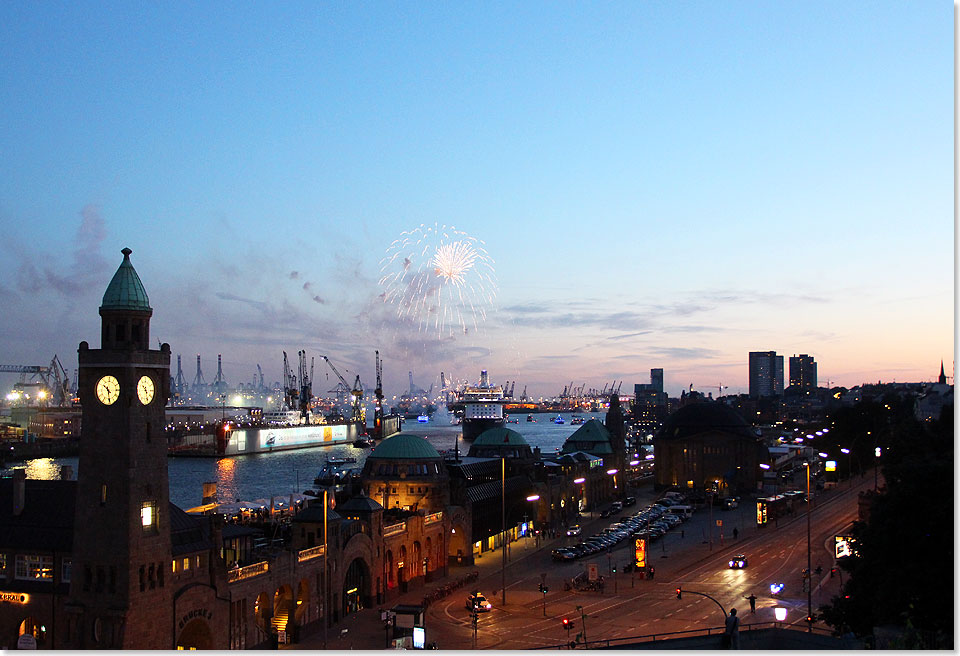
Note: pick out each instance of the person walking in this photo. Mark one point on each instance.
(735, 533)
(731, 632)
(753, 602)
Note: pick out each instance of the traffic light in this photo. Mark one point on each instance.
(566, 623)
(614, 569)
(546, 589)
(679, 593)
(540, 587)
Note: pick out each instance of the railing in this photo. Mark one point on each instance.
(247, 572)
(312, 552)
(433, 518)
(690, 633)
(394, 529)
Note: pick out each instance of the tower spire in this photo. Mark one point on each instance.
(943, 377)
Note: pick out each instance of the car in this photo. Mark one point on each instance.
(574, 530)
(737, 562)
(630, 501)
(478, 602)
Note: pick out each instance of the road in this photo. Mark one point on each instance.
(630, 606)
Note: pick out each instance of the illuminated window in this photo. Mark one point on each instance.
(186, 564)
(174, 566)
(103, 494)
(148, 516)
(31, 567)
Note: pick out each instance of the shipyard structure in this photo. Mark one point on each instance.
(107, 561)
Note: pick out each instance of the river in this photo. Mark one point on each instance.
(263, 475)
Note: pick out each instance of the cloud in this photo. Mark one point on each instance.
(259, 305)
(294, 275)
(317, 299)
(685, 353)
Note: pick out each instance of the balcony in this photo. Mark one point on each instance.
(248, 572)
(433, 518)
(394, 529)
(308, 554)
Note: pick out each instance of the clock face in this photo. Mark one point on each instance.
(145, 390)
(108, 390)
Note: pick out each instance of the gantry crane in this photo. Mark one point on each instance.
(378, 401)
(356, 392)
(54, 382)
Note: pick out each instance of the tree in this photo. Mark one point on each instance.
(903, 573)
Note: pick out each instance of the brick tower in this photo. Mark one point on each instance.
(121, 543)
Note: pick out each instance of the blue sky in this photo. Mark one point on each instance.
(656, 184)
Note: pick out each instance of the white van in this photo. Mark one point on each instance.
(685, 512)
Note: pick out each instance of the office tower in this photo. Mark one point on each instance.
(766, 374)
(803, 371)
(656, 379)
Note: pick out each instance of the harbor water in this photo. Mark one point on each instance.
(260, 476)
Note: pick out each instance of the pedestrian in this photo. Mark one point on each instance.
(652, 572)
(735, 532)
(753, 602)
(682, 533)
(731, 632)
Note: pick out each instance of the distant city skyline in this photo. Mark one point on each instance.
(652, 186)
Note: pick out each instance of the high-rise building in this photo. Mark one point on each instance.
(803, 371)
(650, 401)
(766, 374)
(656, 379)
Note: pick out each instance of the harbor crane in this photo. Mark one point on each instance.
(53, 384)
(290, 391)
(356, 392)
(306, 382)
(378, 400)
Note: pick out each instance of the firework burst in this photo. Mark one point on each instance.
(440, 278)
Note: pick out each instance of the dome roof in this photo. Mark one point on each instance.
(404, 446)
(125, 291)
(499, 436)
(702, 417)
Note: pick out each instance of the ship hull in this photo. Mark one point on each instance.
(473, 427)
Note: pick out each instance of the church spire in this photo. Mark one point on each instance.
(943, 378)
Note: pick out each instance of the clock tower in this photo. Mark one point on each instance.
(121, 546)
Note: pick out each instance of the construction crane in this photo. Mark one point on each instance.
(378, 400)
(306, 380)
(54, 382)
(290, 391)
(356, 392)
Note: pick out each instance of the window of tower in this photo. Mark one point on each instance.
(148, 516)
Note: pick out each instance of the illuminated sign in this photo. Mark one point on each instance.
(761, 512)
(831, 465)
(15, 597)
(641, 552)
(418, 637)
(845, 546)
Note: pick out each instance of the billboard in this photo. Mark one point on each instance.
(845, 546)
(640, 552)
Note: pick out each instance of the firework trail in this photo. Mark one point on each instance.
(440, 278)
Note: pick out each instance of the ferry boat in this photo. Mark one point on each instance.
(576, 421)
(422, 419)
(482, 407)
(362, 443)
(332, 475)
(558, 420)
(334, 460)
(531, 419)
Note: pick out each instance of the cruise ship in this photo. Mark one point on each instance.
(482, 407)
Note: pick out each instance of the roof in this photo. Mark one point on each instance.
(46, 520)
(125, 291)
(361, 503)
(314, 514)
(492, 489)
(593, 437)
(703, 417)
(499, 436)
(188, 533)
(404, 446)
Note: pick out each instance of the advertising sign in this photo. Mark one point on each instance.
(761, 512)
(592, 572)
(845, 546)
(641, 552)
(418, 637)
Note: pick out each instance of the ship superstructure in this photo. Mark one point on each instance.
(482, 407)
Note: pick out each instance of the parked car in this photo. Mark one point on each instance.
(574, 530)
(630, 501)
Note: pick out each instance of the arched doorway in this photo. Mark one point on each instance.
(261, 615)
(283, 610)
(302, 615)
(195, 635)
(391, 581)
(402, 568)
(427, 559)
(356, 587)
(417, 560)
(30, 626)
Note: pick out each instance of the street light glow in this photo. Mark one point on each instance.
(612, 471)
(579, 480)
(533, 497)
(764, 465)
(780, 613)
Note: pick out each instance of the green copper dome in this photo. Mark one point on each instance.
(125, 291)
(404, 446)
(498, 437)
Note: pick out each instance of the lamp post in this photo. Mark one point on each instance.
(503, 528)
(849, 462)
(533, 498)
(326, 560)
(809, 571)
(613, 472)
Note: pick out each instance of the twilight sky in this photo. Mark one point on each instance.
(640, 184)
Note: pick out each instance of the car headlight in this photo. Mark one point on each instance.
(731, 563)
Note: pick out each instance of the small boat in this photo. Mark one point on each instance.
(422, 419)
(331, 475)
(576, 420)
(558, 420)
(531, 419)
(513, 421)
(362, 443)
(334, 460)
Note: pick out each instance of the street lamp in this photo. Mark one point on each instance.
(613, 472)
(579, 482)
(534, 498)
(780, 613)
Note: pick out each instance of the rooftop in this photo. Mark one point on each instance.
(125, 291)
